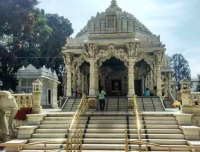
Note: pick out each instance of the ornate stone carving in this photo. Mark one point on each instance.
(91, 48)
(159, 56)
(147, 58)
(112, 52)
(68, 59)
(132, 49)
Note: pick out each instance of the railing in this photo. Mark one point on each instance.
(74, 134)
(65, 102)
(169, 147)
(24, 100)
(194, 98)
(171, 97)
(137, 122)
(75, 140)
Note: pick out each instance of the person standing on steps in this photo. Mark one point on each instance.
(102, 100)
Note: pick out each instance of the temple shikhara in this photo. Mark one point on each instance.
(116, 51)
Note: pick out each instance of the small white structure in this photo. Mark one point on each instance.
(26, 76)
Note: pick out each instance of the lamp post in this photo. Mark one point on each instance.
(1, 83)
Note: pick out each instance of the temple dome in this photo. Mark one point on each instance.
(114, 20)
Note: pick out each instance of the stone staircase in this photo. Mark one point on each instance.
(149, 104)
(115, 104)
(71, 105)
(166, 132)
(106, 132)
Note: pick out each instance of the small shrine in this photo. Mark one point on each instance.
(48, 78)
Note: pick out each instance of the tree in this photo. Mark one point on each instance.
(198, 84)
(181, 68)
(22, 27)
(51, 49)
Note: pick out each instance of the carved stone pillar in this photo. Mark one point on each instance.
(92, 89)
(131, 86)
(169, 82)
(154, 77)
(151, 80)
(92, 78)
(158, 76)
(74, 81)
(96, 73)
(69, 82)
(79, 80)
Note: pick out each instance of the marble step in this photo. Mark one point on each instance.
(49, 135)
(58, 139)
(51, 131)
(133, 136)
(58, 118)
(132, 131)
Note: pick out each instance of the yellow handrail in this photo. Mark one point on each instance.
(137, 122)
(75, 125)
(169, 147)
(135, 109)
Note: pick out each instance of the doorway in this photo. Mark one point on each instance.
(49, 96)
(138, 87)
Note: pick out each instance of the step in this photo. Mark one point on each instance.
(49, 135)
(51, 131)
(36, 140)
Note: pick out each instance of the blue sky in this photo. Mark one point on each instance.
(176, 21)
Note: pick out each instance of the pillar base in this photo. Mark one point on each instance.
(130, 101)
(37, 110)
(91, 102)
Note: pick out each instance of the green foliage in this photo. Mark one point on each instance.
(181, 67)
(198, 84)
(29, 36)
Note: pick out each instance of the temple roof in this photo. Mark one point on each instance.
(99, 23)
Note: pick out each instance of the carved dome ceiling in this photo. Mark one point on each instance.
(115, 19)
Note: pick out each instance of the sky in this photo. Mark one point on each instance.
(176, 21)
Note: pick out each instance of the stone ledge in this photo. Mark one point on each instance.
(194, 143)
(190, 132)
(195, 128)
(25, 132)
(183, 119)
(12, 146)
(35, 119)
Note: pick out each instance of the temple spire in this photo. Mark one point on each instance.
(113, 2)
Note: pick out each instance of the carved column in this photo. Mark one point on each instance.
(92, 78)
(69, 82)
(151, 80)
(74, 84)
(131, 86)
(159, 90)
(96, 73)
(155, 77)
(79, 80)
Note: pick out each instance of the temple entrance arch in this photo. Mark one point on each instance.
(143, 75)
(113, 77)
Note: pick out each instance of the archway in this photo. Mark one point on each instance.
(142, 77)
(113, 77)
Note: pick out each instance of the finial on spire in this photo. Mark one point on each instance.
(113, 2)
